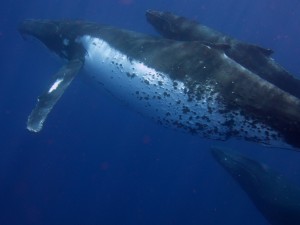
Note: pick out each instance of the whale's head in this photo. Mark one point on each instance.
(246, 171)
(165, 23)
(57, 36)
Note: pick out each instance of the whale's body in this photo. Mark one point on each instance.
(274, 196)
(253, 57)
(186, 85)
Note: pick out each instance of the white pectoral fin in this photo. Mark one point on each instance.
(46, 101)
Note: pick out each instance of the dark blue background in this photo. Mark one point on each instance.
(96, 161)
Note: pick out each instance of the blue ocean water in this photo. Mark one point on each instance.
(96, 161)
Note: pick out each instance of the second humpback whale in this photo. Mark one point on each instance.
(273, 195)
(253, 57)
(192, 86)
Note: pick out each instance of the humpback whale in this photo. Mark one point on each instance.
(192, 86)
(273, 195)
(255, 58)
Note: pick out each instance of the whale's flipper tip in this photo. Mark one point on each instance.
(36, 119)
(47, 100)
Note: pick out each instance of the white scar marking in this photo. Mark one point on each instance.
(55, 85)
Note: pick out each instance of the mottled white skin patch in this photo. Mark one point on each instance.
(156, 95)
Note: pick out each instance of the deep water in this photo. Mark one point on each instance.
(96, 162)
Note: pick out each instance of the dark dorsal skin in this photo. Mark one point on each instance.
(193, 63)
(274, 196)
(252, 57)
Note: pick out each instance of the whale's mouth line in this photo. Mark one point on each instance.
(40, 29)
